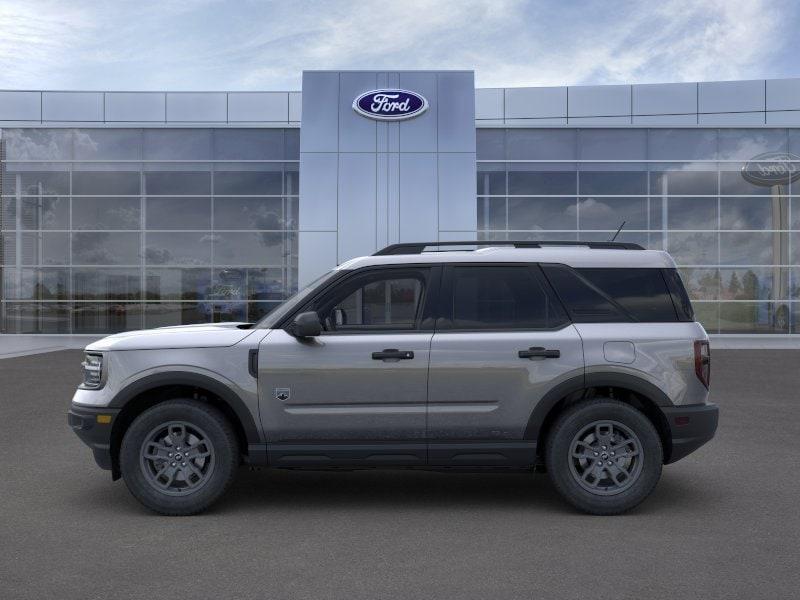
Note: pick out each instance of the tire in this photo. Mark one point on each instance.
(615, 434)
(159, 474)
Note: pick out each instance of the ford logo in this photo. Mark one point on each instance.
(772, 168)
(390, 105)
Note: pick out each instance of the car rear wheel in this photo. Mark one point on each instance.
(604, 456)
(179, 457)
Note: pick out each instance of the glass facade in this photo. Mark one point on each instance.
(737, 243)
(107, 230)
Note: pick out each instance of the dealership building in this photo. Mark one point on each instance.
(124, 210)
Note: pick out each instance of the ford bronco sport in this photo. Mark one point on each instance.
(583, 359)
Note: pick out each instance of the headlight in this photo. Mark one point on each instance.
(92, 371)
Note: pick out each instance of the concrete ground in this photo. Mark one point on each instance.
(722, 523)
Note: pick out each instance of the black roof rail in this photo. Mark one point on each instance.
(419, 247)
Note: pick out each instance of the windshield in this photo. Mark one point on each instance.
(270, 320)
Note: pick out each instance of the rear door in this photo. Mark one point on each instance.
(502, 342)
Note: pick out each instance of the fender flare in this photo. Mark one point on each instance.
(590, 380)
(188, 378)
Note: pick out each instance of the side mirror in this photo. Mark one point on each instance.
(306, 325)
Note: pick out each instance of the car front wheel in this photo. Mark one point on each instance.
(179, 457)
(604, 456)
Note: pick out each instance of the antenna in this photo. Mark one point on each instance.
(618, 230)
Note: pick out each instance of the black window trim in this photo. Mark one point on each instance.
(444, 318)
(425, 320)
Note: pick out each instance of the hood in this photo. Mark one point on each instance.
(181, 336)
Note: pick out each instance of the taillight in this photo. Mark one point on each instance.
(702, 361)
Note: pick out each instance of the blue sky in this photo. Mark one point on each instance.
(249, 45)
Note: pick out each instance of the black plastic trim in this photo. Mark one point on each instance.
(631, 382)
(83, 421)
(700, 425)
(419, 247)
(227, 395)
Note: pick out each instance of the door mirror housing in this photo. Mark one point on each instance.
(306, 325)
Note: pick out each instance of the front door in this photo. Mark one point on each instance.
(502, 342)
(357, 393)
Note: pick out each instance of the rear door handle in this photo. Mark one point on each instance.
(393, 353)
(539, 352)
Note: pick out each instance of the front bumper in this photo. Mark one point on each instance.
(690, 427)
(93, 432)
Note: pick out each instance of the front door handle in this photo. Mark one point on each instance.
(393, 353)
(539, 352)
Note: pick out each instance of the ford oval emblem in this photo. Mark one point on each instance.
(772, 168)
(390, 105)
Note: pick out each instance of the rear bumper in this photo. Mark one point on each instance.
(690, 427)
(97, 435)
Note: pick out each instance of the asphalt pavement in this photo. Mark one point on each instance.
(722, 523)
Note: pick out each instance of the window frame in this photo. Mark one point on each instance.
(444, 321)
(429, 274)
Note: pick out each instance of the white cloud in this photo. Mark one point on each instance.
(206, 44)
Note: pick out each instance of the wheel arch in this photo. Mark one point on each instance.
(633, 390)
(148, 391)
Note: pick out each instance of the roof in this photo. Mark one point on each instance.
(573, 256)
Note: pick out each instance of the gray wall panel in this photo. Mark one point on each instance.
(599, 101)
(320, 129)
(295, 106)
(418, 192)
(356, 134)
(72, 106)
(313, 264)
(665, 99)
(197, 107)
(419, 134)
(783, 94)
(136, 107)
(579, 121)
(732, 119)
(319, 188)
(784, 118)
(258, 106)
(535, 103)
(731, 96)
(489, 103)
(457, 204)
(357, 211)
(456, 97)
(20, 106)
(665, 120)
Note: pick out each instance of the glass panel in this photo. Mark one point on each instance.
(522, 181)
(106, 284)
(491, 180)
(641, 292)
(36, 284)
(490, 144)
(609, 183)
(178, 248)
(250, 248)
(612, 144)
(107, 317)
(541, 144)
(103, 248)
(38, 144)
(753, 213)
(96, 183)
(248, 144)
(682, 144)
(39, 183)
(753, 317)
(8, 213)
(257, 310)
(390, 302)
(45, 212)
(291, 176)
(542, 213)
(45, 248)
(732, 182)
(177, 284)
(225, 312)
(707, 314)
(177, 144)
(292, 143)
(177, 183)
(228, 284)
(178, 213)
(751, 284)
(745, 144)
(266, 284)
(701, 284)
(609, 213)
(159, 314)
(683, 183)
(748, 248)
(693, 248)
(106, 213)
(692, 213)
(108, 144)
(248, 183)
(492, 213)
(30, 317)
(249, 213)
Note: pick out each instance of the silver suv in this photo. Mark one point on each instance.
(583, 359)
